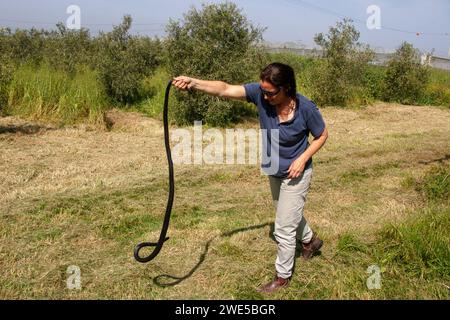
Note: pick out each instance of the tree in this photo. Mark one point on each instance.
(405, 79)
(340, 71)
(67, 49)
(123, 61)
(216, 43)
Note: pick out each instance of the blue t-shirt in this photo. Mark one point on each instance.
(289, 139)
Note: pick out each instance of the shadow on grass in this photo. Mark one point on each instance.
(440, 160)
(159, 279)
(24, 129)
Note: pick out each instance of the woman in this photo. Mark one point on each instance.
(281, 108)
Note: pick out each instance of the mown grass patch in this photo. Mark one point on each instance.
(221, 244)
(360, 174)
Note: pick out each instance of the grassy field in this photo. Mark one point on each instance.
(85, 197)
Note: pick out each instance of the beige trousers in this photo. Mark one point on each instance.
(289, 196)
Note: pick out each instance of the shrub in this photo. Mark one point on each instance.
(437, 91)
(215, 43)
(405, 79)
(435, 95)
(5, 78)
(123, 62)
(62, 48)
(340, 72)
(373, 81)
(24, 46)
(6, 67)
(66, 49)
(303, 66)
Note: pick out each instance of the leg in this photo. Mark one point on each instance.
(304, 232)
(275, 184)
(290, 206)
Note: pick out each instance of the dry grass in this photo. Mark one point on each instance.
(85, 197)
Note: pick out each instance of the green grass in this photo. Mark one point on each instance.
(413, 255)
(440, 77)
(360, 174)
(419, 246)
(437, 184)
(43, 93)
(155, 86)
(188, 216)
(349, 242)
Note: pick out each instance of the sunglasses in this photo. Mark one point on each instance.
(269, 93)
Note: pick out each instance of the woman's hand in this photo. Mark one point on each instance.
(183, 83)
(211, 87)
(296, 168)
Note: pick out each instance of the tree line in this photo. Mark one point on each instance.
(74, 75)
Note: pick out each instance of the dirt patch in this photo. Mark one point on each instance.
(119, 120)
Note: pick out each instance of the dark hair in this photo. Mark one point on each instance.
(280, 75)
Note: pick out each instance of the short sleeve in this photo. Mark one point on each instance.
(252, 92)
(314, 120)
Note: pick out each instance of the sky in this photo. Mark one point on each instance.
(425, 24)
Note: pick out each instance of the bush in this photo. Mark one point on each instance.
(24, 46)
(373, 81)
(62, 48)
(303, 67)
(299, 63)
(405, 79)
(6, 69)
(338, 75)
(155, 87)
(437, 92)
(215, 43)
(66, 49)
(123, 62)
(435, 95)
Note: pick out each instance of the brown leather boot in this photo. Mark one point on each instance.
(309, 249)
(274, 285)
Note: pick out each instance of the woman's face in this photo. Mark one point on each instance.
(273, 94)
